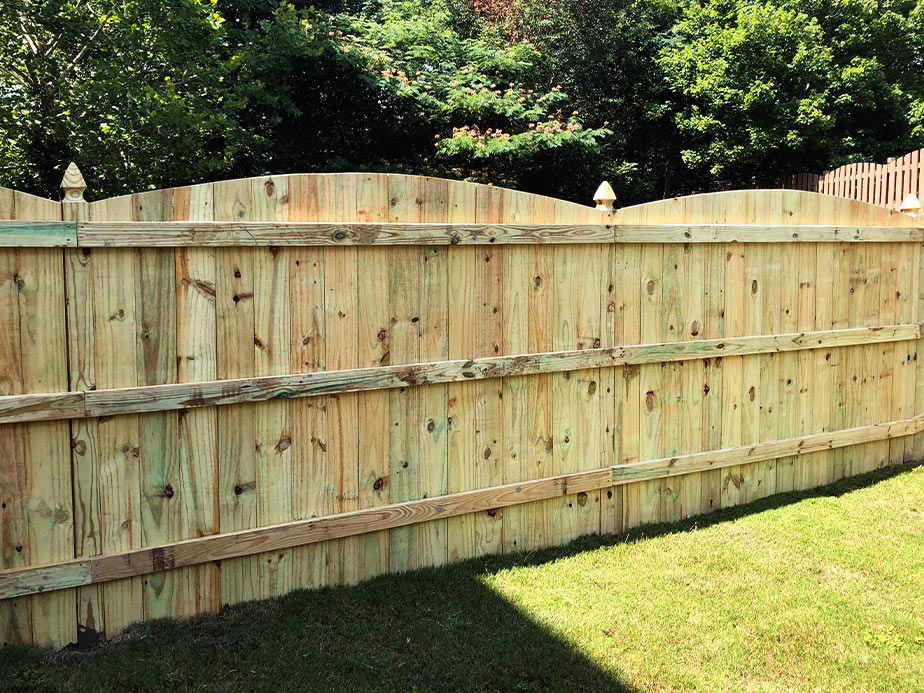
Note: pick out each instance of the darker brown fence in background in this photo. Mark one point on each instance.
(887, 185)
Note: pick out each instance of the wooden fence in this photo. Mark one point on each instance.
(886, 185)
(227, 391)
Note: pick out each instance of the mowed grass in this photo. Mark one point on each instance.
(818, 590)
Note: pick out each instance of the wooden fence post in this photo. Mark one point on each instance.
(38, 464)
(72, 185)
(74, 207)
(910, 206)
(605, 197)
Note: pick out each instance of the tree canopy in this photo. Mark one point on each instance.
(659, 96)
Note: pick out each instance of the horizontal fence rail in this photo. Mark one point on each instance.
(136, 400)
(149, 560)
(283, 234)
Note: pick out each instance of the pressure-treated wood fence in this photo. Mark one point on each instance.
(228, 391)
(887, 185)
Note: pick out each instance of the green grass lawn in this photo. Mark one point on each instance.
(816, 590)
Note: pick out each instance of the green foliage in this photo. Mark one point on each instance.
(471, 93)
(603, 54)
(659, 96)
(753, 80)
(129, 91)
(764, 88)
(878, 79)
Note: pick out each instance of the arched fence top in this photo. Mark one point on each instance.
(25, 207)
(396, 197)
(344, 197)
(762, 207)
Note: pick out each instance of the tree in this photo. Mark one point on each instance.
(477, 98)
(752, 89)
(143, 98)
(604, 53)
(878, 78)
(659, 96)
(764, 89)
(132, 89)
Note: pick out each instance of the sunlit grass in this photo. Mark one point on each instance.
(825, 593)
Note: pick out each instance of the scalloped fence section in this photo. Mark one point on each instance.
(228, 391)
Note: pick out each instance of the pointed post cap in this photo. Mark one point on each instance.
(910, 205)
(605, 197)
(73, 184)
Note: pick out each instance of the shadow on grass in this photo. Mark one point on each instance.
(426, 630)
(433, 629)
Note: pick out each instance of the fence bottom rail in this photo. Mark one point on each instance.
(104, 568)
